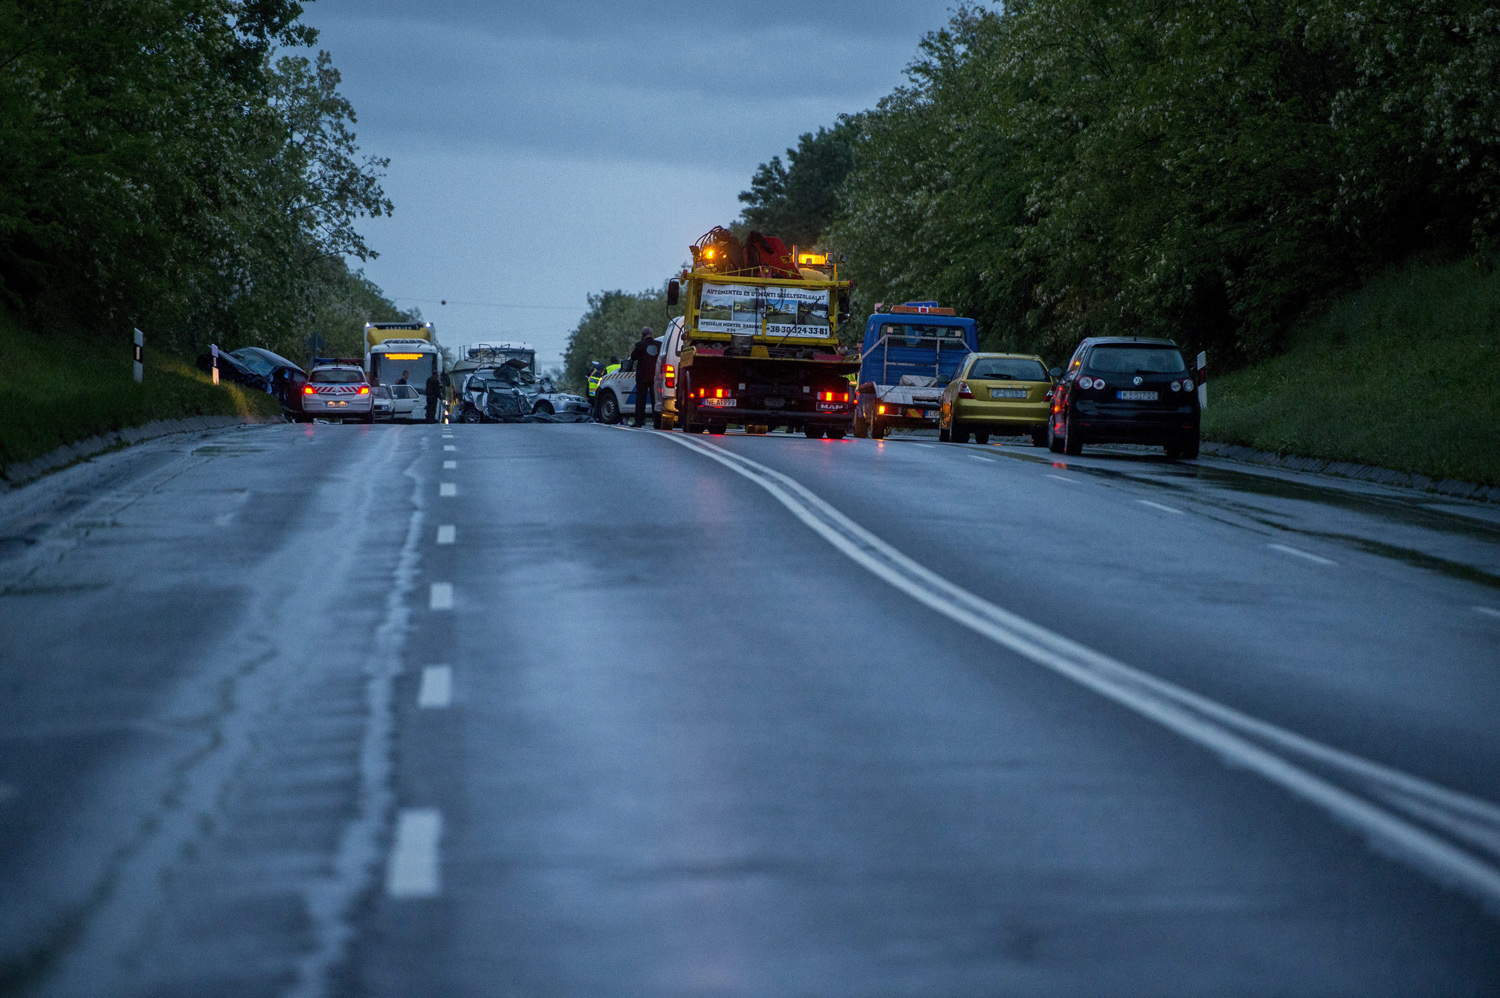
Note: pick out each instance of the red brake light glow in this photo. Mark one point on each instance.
(364, 389)
(308, 390)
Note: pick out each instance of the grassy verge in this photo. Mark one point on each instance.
(1403, 373)
(59, 389)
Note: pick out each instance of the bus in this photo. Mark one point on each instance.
(397, 350)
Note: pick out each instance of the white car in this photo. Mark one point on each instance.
(384, 402)
(410, 403)
(338, 391)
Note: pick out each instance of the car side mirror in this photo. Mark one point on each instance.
(674, 291)
(1055, 373)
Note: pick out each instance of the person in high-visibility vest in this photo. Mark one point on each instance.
(599, 375)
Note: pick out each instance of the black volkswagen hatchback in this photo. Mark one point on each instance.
(1126, 390)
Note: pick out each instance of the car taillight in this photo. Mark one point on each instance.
(364, 389)
(309, 390)
(881, 409)
(963, 390)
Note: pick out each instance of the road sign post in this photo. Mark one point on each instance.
(1203, 380)
(213, 349)
(140, 342)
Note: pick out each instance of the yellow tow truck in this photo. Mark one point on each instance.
(760, 344)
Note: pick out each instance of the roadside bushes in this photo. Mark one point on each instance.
(1208, 171)
(162, 166)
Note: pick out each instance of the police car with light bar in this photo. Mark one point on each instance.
(339, 391)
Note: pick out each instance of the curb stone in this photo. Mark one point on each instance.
(1361, 472)
(15, 475)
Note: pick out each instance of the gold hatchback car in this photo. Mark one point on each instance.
(1004, 393)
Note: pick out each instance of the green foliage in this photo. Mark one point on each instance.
(798, 201)
(65, 387)
(611, 326)
(1404, 374)
(158, 168)
(1204, 171)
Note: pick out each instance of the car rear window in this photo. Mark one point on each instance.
(1007, 369)
(337, 377)
(1133, 358)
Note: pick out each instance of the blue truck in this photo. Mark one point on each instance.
(910, 353)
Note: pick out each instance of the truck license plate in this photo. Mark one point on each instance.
(1007, 393)
(722, 403)
(1136, 396)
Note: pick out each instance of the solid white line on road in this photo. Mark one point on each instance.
(436, 690)
(448, 490)
(1157, 505)
(413, 871)
(449, 447)
(1487, 611)
(1295, 553)
(1399, 813)
(447, 533)
(441, 596)
(986, 460)
(915, 444)
(1062, 479)
(449, 465)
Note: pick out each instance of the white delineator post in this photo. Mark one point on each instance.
(140, 341)
(1203, 380)
(213, 349)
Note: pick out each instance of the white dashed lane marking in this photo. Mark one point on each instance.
(448, 490)
(986, 460)
(413, 871)
(1062, 479)
(448, 447)
(447, 533)
(441, 596)
(436, 691)
(449, 465)
(1295, 553)
(1157, 505)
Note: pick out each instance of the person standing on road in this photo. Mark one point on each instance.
(404, 376)
(644, 356)
(434, 389)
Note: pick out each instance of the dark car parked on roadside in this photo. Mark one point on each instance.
(264, 371)
(1126, 390)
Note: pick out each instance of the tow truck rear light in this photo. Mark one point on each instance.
(670, 374)
(963, 390)
(718, 393)
(833, 396)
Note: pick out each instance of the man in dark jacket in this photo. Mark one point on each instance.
(644, 357)
(434, 389)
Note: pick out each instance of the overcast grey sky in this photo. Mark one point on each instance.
(544, 150)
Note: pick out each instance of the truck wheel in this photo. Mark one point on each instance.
(813, 432)
(877, 430)
(718, 429)
(861, 426)
(757, 428)
(837, 433)
(981, 437)
(609, 408)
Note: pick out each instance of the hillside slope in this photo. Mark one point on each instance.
(1403, 373)
(59, 389)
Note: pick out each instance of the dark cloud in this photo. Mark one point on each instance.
(655, 85)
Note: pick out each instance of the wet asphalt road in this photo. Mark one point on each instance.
(647, 723)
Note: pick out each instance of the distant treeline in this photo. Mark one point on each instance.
(1201, 170)
(175, 165)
